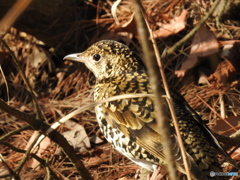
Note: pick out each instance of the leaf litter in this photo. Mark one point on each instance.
(212, 56)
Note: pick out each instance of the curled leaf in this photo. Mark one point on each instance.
(204, 44)
(174, 26)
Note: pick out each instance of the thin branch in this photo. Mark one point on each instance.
(4, 137)
(40, 160)
(12, 147)
(12, 15)
(86, 107)
(29, 88)
(47, 169)
(215, 112)
(170, 104)
(194, 30)
(6, 83)
(26, 155)
(53, 135)
(154, 77)
(11, 172)
(45, 164)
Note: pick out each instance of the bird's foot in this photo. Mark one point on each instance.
(158, 174)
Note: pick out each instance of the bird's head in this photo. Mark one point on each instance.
(108, 59)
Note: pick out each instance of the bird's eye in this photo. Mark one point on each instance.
(96, 57)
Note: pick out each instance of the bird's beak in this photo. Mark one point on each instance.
(74, 57)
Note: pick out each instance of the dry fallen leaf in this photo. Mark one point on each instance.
(173, 27)
(33, 163)
(224, 72)
(123, 15)
(95, 139)
(231, 52)
(204, 44)
(77, 136)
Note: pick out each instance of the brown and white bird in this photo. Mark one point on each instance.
(130, 124)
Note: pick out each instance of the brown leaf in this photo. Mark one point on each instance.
(231, 52)
(224, 72)
(77, 136)
(32, 163)
(173, 27)
(204, 44)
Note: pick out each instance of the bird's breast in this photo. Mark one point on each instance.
(125, 145)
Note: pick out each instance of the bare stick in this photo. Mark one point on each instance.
(170, 104)
(54, 135)
(194, 30)
(12, 15)
(154, 78)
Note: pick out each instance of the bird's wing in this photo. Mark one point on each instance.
(135, 117)
(146, 134)
(136, 128)
(178, 99)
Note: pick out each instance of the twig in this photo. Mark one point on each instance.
(223, 5)
(11, 172)
(26, 155)
(29, 88)
(154, 78)
(222, 106)
(170, 104)
(53, 135)
(48, 170)
(12, 15)
(6, 83)
(45, 164)
(86, 107)
(40, 160)
(12, 147)
(193, 31)
(215, 112)
(4, 137)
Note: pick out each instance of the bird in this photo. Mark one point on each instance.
(130, 124)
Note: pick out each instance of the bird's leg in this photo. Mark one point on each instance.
(158, 173)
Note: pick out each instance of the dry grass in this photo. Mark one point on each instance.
(62, 86)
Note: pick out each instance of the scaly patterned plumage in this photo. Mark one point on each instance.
(130, 124)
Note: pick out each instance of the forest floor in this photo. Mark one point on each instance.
(205, 69)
